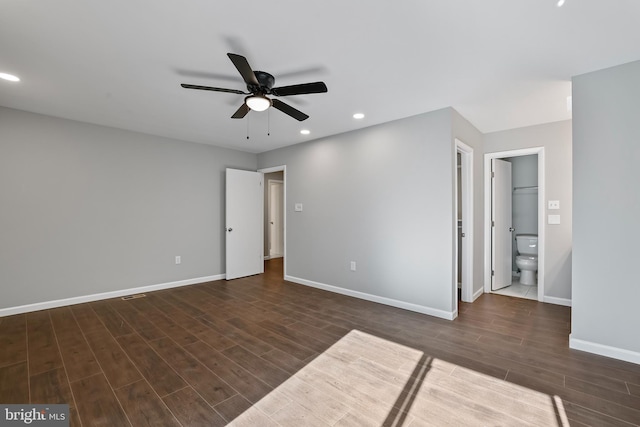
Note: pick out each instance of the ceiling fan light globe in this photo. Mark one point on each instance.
(258, 103)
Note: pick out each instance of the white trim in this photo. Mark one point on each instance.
(282, 168)
(105, 295)
(541, 213)
(559, 301)
(604, 350)
(375, 298)
(477, 294)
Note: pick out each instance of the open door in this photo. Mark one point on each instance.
(244, 213)
(501, 245)
(276, 222)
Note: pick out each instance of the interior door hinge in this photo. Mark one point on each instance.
(493, 174)
(493, 223)
(493, 273)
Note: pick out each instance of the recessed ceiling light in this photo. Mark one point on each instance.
(358, 116)
(305, 131)
(9, 77)
(560, 3)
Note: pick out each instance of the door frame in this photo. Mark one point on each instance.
(539, 151)
(270, 184)
(282, 168)
(466, 180)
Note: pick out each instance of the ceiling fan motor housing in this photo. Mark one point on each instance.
(266, 81)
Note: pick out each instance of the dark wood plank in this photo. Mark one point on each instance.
(13, 340)
(78, 358)
(285, 361)
(230, 409)
(586, 400)
(213, 389)
(44, 353)
(160, 375)
(272, 339)
(138, 322)
(233, 374)
(191, 410)
(114, 362)
(111, 320)
(221, 327)
(143, 406)
(87, 319)
(96, 403)
(634, 389)
(163, 322)
(14, 383)
(261, 368)
(51, 387)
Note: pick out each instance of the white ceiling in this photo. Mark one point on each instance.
(500, 63)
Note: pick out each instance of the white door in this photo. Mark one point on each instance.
(244, 216)
(501, 245)
(276, 220)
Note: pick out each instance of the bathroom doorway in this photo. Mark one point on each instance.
(514, 205)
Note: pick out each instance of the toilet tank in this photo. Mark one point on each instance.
(527, 244)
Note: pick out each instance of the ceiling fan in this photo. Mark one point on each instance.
(259, 85)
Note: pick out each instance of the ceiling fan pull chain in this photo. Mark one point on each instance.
(247, 127)
(268, 123)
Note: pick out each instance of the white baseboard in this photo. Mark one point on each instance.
(477, 294)
(104, 295)
(604, 350)
(448, 315)
(558, 301)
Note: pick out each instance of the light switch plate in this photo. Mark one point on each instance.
(553, 204)
(298, 207)
(553, 219)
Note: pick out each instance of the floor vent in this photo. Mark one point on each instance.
(128, 297)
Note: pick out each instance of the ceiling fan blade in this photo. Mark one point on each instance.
(215, 89)
(289, 110)
(301, 89)
(244, 68)
(241, 112)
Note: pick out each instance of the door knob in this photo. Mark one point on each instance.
(511, 229)
(229, 229)
(462, 234)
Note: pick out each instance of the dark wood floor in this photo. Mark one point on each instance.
(203, 354)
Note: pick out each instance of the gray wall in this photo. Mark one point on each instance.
(382, 197)
(89, 209)
(464, 131)
(524, 173)
(606, 173)
(557, 140)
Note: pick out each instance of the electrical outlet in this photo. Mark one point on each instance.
(553, 204)
(353, 266)
(178, 259)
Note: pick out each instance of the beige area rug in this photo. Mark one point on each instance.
(363, 380)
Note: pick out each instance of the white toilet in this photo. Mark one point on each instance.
(527, 258)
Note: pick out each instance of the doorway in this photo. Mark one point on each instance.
(524, 192)
(275, 216)
(275, 221)
(463, 224)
